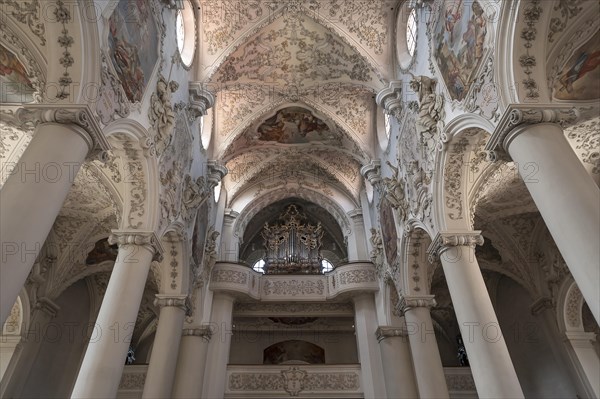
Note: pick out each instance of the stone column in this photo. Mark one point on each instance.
(492, 368)
(102, 366)
(565, 194)
(34, 193)
(218, 349)
(586, 355)
(191, 363)
(427, 362)
(161, 371)
(369, 355)
(400, 380)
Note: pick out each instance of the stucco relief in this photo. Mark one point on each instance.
(585, 140)
(229, 276)
(27, 13)
(294, 287)
(573, 305)
(357, 277)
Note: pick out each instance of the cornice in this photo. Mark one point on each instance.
(448, 239)
(518, 115)
(77, 114)
(146, 239)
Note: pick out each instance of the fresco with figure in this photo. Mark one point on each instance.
(132, 41)
(16, 85)
(388, 231)
(580, 78)
(459, 40)
(293, 125)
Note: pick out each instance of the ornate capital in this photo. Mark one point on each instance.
(390, 98)
(448, 239)
(47, 306)
(201, 100)
(178, 301)
(415, 301)
(79, 115)
(203, 332)
(540, 305)
(146, 239)
(216, 173)
(372, 172)
(356, 215)
(388, 332)
(517, 115)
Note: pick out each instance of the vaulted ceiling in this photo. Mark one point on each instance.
(295, 84)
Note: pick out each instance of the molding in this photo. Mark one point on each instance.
(178, 301)
(47, 306)
(78, 114)
(146, 239)
(443, 241)
(390, 99)
(407, 303)
(517, 115)
(388, 332)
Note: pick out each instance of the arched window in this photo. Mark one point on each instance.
(327, 266)
(411, 32)
(259, 266)
(387, 124)
(185, 32)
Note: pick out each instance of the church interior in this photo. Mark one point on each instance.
(310, 198)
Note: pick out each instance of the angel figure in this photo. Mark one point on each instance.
(431, 105)
(394, 190)
(194, 194)
(161, 115)
(377, 251)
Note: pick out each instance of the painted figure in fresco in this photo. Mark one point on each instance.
(586, 62)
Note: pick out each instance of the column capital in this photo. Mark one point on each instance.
(445, 240)
(203, 332)
(177, 301)
(581, 339)
(146, 239)
(415, 301)
(540, 305)
(76, 114)
(390, 98)
(384, 332)
(201, 100)
(517, 115)
(355, 214)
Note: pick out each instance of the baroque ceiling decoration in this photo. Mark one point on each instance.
(298, 53)
(362, 25)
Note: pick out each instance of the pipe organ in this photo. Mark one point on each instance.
(292, 247)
